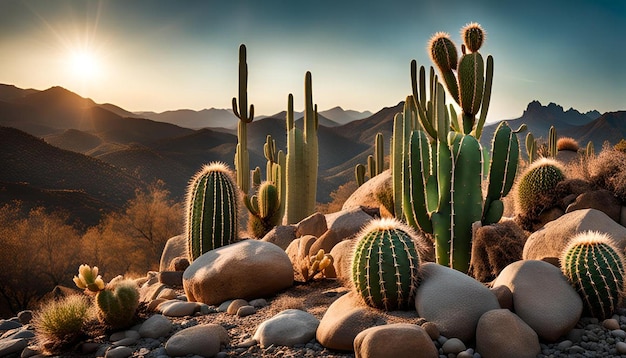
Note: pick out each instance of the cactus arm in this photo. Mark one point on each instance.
(552, 149)
(242, 113)
(420, 99)
(397, 164)
(379, 150)
(454, 120)
(415, 201)
(359, 174)
(478, 131)
(441, 216)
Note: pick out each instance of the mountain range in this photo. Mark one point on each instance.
(55, 143)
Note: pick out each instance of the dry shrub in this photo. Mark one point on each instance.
(59, 323)
(608, 171)
(567, 143)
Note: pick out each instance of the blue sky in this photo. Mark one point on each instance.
(163, 55)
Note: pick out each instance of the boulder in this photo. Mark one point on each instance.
(342, 256)
(347, 223)
(602, 200)
(501, 333)
(326, 242)
(452, 300)
(287, 328)
(203, 340)
(550, 241)
(281, 235)
(344, 320)
(394, 340)
(174, 248)
(247, 269)
(176, 308)
(542, 297)
(315, 225)
(155, 327)
(372, 194)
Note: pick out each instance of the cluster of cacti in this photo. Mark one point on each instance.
(117, 302)
(311, 266)
(211, 210)
(536, 185)
(595, 267)
(437, 161)
(265, 209)
(302, 159)
(375, 162)
(385, 264)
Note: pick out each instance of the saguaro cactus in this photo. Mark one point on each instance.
(242, 158)
(302, 159)
(437, 160)
(211, 210)
(595, 267)
(385, 264)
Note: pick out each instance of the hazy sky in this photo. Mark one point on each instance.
(162, 55)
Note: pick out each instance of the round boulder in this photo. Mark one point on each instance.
(394, 340)
(542, 297)
(247, 269)
(288, 328)
(452, 300)
(501, 333)
(175, 248)
(203, 340)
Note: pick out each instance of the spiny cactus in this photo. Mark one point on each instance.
(552, 140)
(311, 266)
(531, 147)
(211, 210)
(385, 264)
(537, 184)
(117, 304)
(88, 279)
(359, 174)
(595, 268)
(242, 158)
(302, 159)
(265, 209)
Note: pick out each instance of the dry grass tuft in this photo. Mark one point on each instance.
(59, 323)
(567, 143)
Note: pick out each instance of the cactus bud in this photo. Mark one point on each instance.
(443, 52)
(473, 36)
(89, 279)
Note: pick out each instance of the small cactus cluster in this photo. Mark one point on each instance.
(211, 210)
(595, 268)
(375, 162)
(117, 302)
(311, 266)
(265, 209)
(385, 264)
(537, 184)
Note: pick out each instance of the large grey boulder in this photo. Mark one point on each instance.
(452, 300)
(247, 269)
(542, 297)
(549, 242)
(372, 194)
(346, 224)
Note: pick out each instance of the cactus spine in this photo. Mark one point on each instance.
(242, 158)
(595, 268)
(302, 159)
(117, 306)
(385, 264)
(536, 184)
(437, 159)
(211, 208)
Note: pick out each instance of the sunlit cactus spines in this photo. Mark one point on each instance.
(444, 55)
(117, 306)
(537, 182)
(473, 36)
(385, 264)
(211, 209)
(88, 279)
(595, 267)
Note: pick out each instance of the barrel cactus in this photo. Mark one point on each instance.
(595, 268)
(117, 305)
(537, 185)
(211, 210)
(385, 264)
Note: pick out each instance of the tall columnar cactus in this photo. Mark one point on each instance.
(590, 152)
(302, 159)
(211, 210)
(531, 147)
(385, 264)
(117, 305)
(537, 184)
(552, 140)
(359, 174)
(437, 160)
(595, 268)
(242, 158)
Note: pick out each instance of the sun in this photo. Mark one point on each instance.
(84, 65)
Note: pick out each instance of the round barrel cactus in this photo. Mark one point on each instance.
(595, 267)
(537, 185)
(211, 210)
(385, 264)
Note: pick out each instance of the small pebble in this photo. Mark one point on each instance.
(244, 311)
(564, 345)
(620, 347)
(610, 324)
(234, 306)
(618, 333)
(454, 346)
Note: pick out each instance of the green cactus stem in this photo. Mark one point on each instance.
(117, 305)
(211, 210)
(265, 209)
(531, 148)
(302, 159)
(242, 158)
(473, 36)
(385, 264)
(552, 139)
(359, 174)
(536, 184)
(595, 268)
